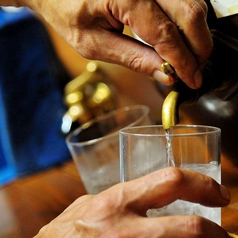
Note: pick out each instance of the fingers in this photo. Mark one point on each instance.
(160, 227)
(177, 32)
(177, 226)
(104, 217)
(125, 51)
(167, 185)
(194, 42)
(121, 209)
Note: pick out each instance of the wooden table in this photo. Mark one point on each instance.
(29, 203)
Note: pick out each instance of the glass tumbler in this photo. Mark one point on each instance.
(95, 146)
(145, 149)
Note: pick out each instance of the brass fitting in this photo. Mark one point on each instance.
(87, 96)
(170, 108)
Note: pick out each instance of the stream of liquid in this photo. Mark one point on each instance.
(169, 150)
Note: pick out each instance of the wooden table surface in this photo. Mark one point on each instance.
(29, 203)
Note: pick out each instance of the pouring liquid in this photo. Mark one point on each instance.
(169, 150)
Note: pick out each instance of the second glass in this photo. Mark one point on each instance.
(95, 146)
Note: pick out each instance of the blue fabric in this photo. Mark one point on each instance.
(31, 79)
(7, 165)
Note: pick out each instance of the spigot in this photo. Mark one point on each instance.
(219, 77)
(87, 96)
(180, 93)
(170, 110)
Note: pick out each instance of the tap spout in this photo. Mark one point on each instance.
(170, 110)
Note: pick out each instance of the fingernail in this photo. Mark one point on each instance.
(224, 192)
(162, 78)
(197, 79)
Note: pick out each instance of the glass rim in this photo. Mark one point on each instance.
(210, 130)
(102, 117)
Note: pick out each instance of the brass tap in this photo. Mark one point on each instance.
(170, 108)
(87, 96)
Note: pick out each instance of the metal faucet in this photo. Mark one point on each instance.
(87, 96)
(170, 108)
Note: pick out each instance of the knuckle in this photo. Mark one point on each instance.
(166, 30)
(105, 201)
(135, 63)
(86, 50)
(112, 199)
(85, 44)
(195, 13)
(174, 175)
(203, 5)
(208, 182)
(167, 35)
(197, 225)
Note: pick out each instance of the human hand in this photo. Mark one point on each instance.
(176, 30)
(121, 210)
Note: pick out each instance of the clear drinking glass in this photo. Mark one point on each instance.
(95, 146)
(149, 148)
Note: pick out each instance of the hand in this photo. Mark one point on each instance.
(121, 210)
(176, 30)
